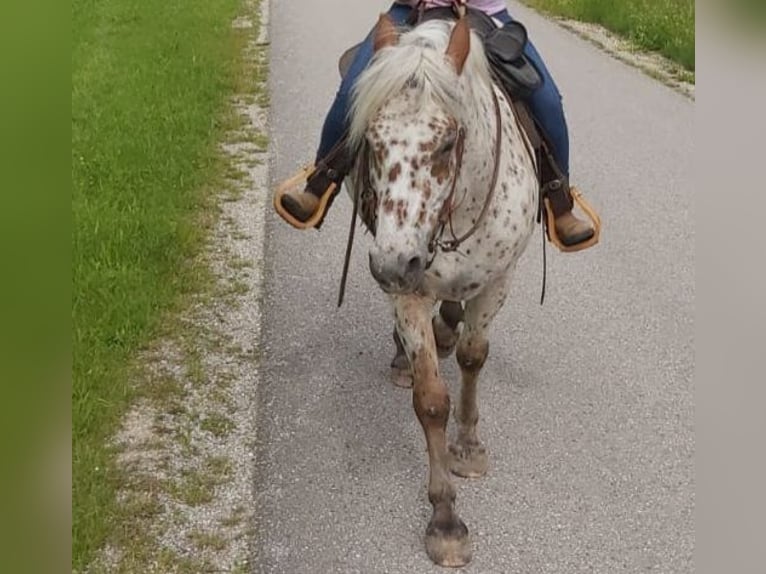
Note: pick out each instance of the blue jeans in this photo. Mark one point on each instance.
(545, 103)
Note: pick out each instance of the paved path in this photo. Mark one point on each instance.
(591, 441)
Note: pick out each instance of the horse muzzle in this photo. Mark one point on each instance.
(397, 273)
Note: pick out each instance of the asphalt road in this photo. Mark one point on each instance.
(586, 403)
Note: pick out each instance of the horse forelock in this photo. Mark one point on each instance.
(418, 63)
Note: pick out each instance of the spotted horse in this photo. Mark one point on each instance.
(451, 191)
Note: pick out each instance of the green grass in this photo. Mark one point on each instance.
(149, 85)
(665, 26)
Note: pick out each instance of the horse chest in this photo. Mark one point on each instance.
(453, 285)
(482, 259)
(460, 276)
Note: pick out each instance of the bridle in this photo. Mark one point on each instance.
(448, 208)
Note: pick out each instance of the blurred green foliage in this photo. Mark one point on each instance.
(665, 26)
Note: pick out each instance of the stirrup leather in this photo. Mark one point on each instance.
(297, 182)
(587, 209)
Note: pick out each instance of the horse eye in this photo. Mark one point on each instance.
(447, 146)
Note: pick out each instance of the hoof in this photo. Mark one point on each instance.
(401, 374)
(402, 377)
(444, 352)
(468, 461)
(446, 337)
(449, 547)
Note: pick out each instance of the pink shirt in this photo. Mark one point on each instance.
(486, 6)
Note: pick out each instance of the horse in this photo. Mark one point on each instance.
(452, 196)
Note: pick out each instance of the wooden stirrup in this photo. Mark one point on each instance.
(298, 181)
(586, 207)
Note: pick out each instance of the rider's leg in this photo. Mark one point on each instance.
(303, 204)
(546, 105)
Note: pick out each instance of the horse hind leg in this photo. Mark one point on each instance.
(401, 372)
(468, 455)
(446, 325)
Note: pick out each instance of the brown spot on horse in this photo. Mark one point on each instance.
(440, 171)
(393, 174)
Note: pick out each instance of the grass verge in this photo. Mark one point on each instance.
(150, 81)
(664, 26)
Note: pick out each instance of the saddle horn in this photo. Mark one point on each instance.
(385, 33)
(459, 44)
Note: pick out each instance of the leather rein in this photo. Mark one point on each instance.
(449, 207)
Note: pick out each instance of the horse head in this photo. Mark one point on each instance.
(406, 115)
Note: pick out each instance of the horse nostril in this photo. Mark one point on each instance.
(415, 265)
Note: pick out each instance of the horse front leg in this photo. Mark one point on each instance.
(447, 541)
(468, 456)
(445, 325)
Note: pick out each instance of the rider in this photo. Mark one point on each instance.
(545, 104)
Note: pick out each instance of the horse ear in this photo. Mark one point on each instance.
(385, 33)
(459, 44)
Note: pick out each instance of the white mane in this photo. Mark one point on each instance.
(417, 60)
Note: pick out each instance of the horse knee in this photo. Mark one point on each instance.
(432, 405)
(472, 354)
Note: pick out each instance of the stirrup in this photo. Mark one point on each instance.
(587, 209)
(298, 181)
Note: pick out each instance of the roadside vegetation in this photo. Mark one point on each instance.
(150, 86)
(664, 26)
